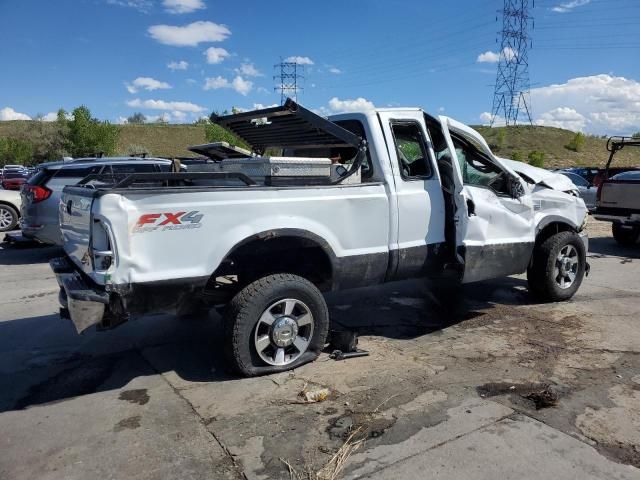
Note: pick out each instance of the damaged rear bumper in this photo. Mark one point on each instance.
(87, 305)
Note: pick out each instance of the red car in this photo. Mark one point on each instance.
(13, 181)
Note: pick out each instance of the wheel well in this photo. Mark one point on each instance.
(270, 254)
(552, 229)
(12, 206)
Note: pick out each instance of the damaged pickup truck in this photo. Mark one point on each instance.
(355, 200)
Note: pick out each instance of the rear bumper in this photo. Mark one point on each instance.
(86, 304)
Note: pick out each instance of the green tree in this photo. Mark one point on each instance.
(577, 142)
(15, 151)
(85, 135)
(636, 135)
(536, 159)
(501, 137)
(137, 118)
(517, 156)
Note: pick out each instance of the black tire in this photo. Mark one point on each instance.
(243, 315)
(625, 235)
(12, 213)
(542, 272)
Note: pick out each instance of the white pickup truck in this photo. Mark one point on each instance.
(414, 196)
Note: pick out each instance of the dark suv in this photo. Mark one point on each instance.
(41, 194)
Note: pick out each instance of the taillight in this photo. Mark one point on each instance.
(39, 193)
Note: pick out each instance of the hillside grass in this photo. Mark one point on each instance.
(553, 141)
(172, 140)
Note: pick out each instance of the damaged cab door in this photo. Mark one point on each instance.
(495, 232)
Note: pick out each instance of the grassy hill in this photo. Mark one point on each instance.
(172, 140)
(552, 141)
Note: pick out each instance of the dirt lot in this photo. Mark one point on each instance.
(490, 384)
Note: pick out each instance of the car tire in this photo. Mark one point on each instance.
(8, 217)
(626, 236)
(557, 267)
(274, 324)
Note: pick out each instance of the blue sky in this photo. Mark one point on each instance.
(184, 58)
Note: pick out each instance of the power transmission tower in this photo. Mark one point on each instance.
(511, 99)
(288, 84)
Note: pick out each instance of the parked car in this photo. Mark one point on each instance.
(13, 180)
(41, 195)
(588, 173)
(415, 196)
(618, 198)
(586, 190)
(10, 202)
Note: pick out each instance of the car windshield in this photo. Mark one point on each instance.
(576, 179)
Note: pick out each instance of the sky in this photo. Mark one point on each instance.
(180, 60)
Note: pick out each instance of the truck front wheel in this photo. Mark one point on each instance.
(276, 323)
(625, 234)
(558, 267)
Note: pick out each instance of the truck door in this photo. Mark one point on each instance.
(495, 230)
(418, 195)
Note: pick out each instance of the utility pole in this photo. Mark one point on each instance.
(511, 98)
(287, 80)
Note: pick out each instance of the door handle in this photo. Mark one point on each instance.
(69, 204)
(471, 208)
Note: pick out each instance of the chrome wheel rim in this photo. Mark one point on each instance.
(6, 219)
(283, 332)
(566, 268)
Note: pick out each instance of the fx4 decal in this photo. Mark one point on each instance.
(151, 222)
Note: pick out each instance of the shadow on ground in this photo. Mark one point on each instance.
(60, 364)
(608, 247)
(27, 254)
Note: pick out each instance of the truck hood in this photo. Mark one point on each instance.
(540, 176)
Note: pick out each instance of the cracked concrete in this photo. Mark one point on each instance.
(152, 399)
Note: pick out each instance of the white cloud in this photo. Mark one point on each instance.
(141, 5)
(488, 57)
(568, 6)
(8, 113)
(485, 117)
(214, 83)
(181, 65)
(183, 6)
(299, 60)
(494, 57)
(242, 86)
(260, 106)
(239, 84)
(215, 55)
(164, 105)
(441, 109)
(178, 115)
(50, 117)
(607, 104)
(248, 70)
(189, 35)
(563, 117)
(263, 90)
(146, 83)
(356, 105)
(335, 70)
(122, 120)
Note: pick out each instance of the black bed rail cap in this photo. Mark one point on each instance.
(287, 126)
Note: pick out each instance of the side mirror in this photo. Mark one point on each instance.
(515, 187)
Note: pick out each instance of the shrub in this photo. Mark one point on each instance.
(536, 159)
(517, 156)
(85, 135)
(577, 142)
(636, 135)
(15, 151)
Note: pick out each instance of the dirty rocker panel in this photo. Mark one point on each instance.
(494, 261)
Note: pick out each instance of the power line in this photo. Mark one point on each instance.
(288, 84)
(511, 94)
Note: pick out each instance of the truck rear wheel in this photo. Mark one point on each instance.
(558, 267)
(276, 323)
(625, 234)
